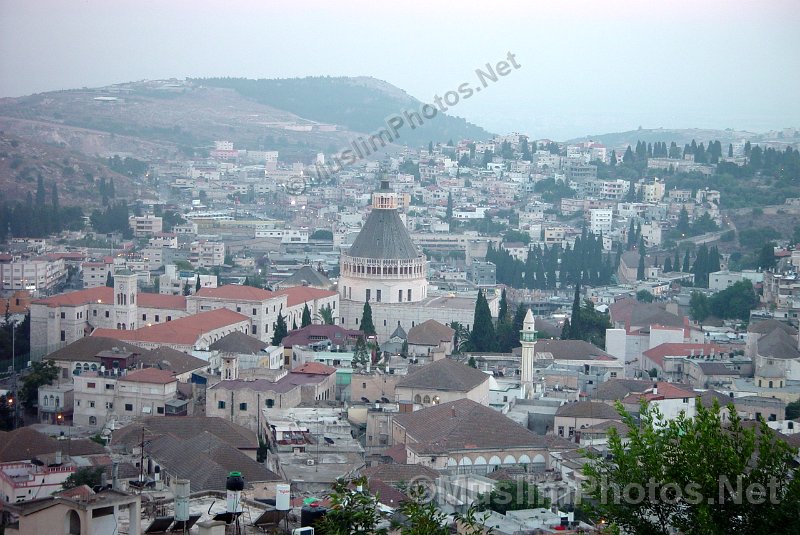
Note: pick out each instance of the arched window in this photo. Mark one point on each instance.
(72, 523)
(46, 403)
(58, 402)
(86, 366)
(417, 399)
(93, 367)
(426, 400)
(92, 420)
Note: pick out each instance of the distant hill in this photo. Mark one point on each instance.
(682, 136)
(361, 104)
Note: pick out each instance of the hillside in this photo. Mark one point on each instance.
(682, 136)
(77, 177)
(360, 104)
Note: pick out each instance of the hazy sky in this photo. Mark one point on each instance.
(586, 67)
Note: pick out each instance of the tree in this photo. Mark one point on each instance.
(643, 296)
(361, 352)
(640, 270)
(109, 280)
(367, 327)
(482, 337)
(699, 308)
(668, 265)
(503, 314)
(471, 362)
(280, 329)
(42, 373)
(766, 256)
(734, 302)
(687, 262)
(326, 314)
(197, 284)
(793, 410)
(448, 216)
(306, 318)
(187, 289)
(353, 511)
(91, 476)
(512, 496)
(707, 474)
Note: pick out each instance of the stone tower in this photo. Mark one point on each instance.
(125, 309)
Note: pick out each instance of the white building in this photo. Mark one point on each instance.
(600, 220)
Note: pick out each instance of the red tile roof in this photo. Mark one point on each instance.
(672, 349)
(170, 302)
(149, 375)
(314, 368)
(236, 292)
(104, 294)
(100, 294)
(302, 294)
(184, 331)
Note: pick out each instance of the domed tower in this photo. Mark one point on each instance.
(383, 265)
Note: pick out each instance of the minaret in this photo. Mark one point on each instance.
(527, 337)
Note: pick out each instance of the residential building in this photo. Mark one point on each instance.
(145, 225)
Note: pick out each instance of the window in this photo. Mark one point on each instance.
(363, 385)
(106, 313)
(160, 410)
(269, 403)
(255, 311)
(91, 385)
(242, 406)
(109, 386)
(63, 315)
(109, 405)
(369, 293)
(686, 400)
(426, 400)
(417, 399)
(220, 404)
(561, 430)
(129, 407)
(409, 295)
(378, 296)
(92, 420)
(169, 318)
(384, 323)
(63, 336)
(399, 296)
(94, 313)
(238, 309)
(505, 399)
(77, 403)
(157, 318)
(91, 404)
(613, 375)
(572, 431)
(255, 329)
(144, 317)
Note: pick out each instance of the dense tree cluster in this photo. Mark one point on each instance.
(585, 323)
(734, 302)
(113, 219)
(127, 166)
(38, 218)
(706, 261)
(546, 267)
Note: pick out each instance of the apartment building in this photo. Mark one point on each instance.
(38, 275)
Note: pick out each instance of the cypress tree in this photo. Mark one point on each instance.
(306, 319)
(197, 284)
(482, 336)
(686, 262)
(667, 265)
(109, 280)
(367, 327)
(503, 307)
(280, 329)
(676, 262)
(640, 275)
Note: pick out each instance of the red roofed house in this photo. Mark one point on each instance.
(668, 358)
(99, 399)
(670, 399)
(62, 319)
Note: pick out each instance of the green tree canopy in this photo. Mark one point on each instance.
(41, 373)
(306, 318)
(367, 326)
(710, 474)
(91, 476)
(280, 329)
(482, 337)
